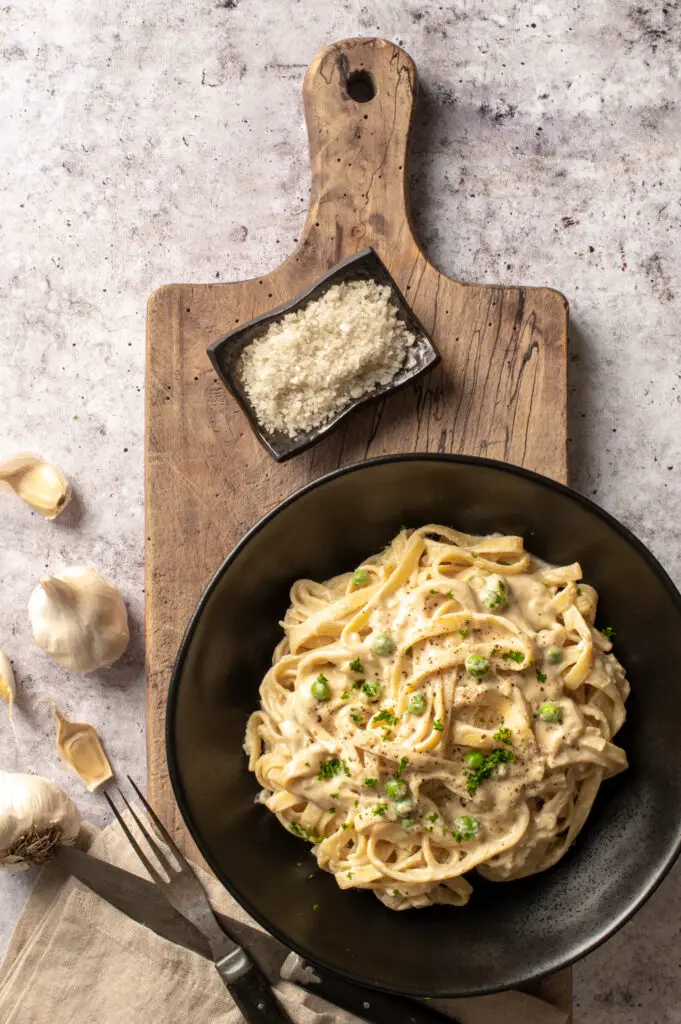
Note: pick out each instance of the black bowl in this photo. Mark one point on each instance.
(510, 932)
(224, 354)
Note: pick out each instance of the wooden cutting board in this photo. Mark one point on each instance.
(501, 390)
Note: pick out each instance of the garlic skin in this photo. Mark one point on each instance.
(7, 684)
(37, 482)
(35, 815)
(79, 619)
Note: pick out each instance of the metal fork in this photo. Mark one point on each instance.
(247, 985)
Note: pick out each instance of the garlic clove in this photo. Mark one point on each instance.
(79, 745)
(35, 815)
(37, 482)
(7, 685)
(79, 619)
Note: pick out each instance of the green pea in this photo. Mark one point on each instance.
(554, 655)
(477, 665)
(474, 759)
(320, 689)
(551, 712)
(360, 577)
(416, 702)
(496, 593)
(404, 809)
(371, 689)
(383, 645)
(466, 826)
(395, 788)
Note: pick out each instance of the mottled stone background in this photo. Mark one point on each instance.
(148, 142)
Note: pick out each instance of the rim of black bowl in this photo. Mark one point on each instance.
(598, 936)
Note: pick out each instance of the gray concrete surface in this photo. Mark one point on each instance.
(142, 143)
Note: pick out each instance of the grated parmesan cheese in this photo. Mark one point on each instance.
(313, 362)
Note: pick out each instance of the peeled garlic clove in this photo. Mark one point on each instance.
(79, 745)
(37, 482)
(79, 619)
(35, 815)
(7, 684)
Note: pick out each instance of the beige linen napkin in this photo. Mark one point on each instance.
(73, 959)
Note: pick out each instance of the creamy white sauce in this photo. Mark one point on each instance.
(495, 771)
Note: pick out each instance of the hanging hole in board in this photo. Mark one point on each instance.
(360, 86)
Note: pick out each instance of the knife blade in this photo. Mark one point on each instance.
(140, 900)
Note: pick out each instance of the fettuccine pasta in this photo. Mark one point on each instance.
(448, 705)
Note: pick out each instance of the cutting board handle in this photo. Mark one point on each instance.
(359, 102)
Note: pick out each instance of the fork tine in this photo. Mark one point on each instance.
(158, 850)
(159, 824)
(133, 842)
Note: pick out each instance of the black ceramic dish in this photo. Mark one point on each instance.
(224, 354)
(509, 932)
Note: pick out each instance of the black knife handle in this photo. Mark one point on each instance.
(252, 994)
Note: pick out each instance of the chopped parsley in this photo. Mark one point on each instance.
(463, 633)
(474, 554)
(579, 591)
(495, 650)
(304, 833)
(314, 906)
(516, 656)
(371, 782)
(438, 726)
(360, 577)
(356, 803)
(466, 828)
(329, 769)
(371, 689)
(335, 796)
(434, 591)
(474, 776)
(332, 810)
(334, 766)
(404, 761)
(349, 874)
(380, 809)
(432, 818)
(345, 825)
(608, 632)
(385, 716)
(503, 736)
(541, 676)
(357, 716)
(356, 665)
(345, 695)
(449, 593)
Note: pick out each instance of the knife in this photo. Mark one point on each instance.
(142, 901)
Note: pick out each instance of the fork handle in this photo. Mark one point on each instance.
(252, 993)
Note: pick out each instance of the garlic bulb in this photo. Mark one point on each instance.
(40, 484)
(79, 619)
(35, 815)
(80, 746)
(7, 685)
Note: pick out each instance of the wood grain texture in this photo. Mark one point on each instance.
(501, 390)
